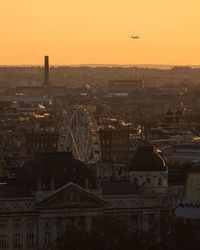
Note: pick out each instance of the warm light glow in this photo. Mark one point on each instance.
(126, 124)
(41, 106)
(40, 116)
(92, 31)
(88, 86)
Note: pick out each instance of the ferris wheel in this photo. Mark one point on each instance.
(79, 134)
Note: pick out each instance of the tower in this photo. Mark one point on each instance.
(46, 71)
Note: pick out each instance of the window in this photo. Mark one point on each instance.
(30, 239)
(30, 221)
(159, 181)
(47, 238)
(164, 218)
(3, 240)
(3, 222)
(134, 219)
(68, 221)
(16, 222)
(181, 191)
(135, 180)
(151, 218)
(17, 240)
(47, 222)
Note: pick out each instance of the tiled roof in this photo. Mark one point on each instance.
(118, 188)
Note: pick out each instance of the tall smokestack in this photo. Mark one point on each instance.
(46, 70)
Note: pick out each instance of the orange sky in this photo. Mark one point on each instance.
(98, 31)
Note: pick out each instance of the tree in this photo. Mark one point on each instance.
(110, 233)
(106, 234)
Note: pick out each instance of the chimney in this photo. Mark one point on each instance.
(46, 70)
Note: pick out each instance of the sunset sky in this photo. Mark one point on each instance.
(98, 32)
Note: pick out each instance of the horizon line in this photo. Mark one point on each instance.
(105, 65)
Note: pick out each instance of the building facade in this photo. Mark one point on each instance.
(54, 191)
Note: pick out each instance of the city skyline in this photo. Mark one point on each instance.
(88, 32)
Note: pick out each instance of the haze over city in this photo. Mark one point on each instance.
(98, 32)
(100, 125)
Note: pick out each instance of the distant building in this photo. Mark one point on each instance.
(114, 145)
(126, 84)
(192, 191)
(41, 142)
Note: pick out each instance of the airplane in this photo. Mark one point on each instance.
(135, 37)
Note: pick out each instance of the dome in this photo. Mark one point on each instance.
(59, 167)
(146, 159)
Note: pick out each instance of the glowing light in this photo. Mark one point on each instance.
(22, 119)
(124, 124)
(41, 106)
(40, 116)
(111, 119)
(110, 126)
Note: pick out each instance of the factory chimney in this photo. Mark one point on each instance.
(46, 71)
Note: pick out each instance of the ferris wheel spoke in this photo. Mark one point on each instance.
(83, 132)
(89, 151)
(87, 145)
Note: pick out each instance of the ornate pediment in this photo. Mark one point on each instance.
(72, 196)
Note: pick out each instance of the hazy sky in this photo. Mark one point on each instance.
(98, 31)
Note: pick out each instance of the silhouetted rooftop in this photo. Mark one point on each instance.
(146, 159)
(13, 191)
(61, 167)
